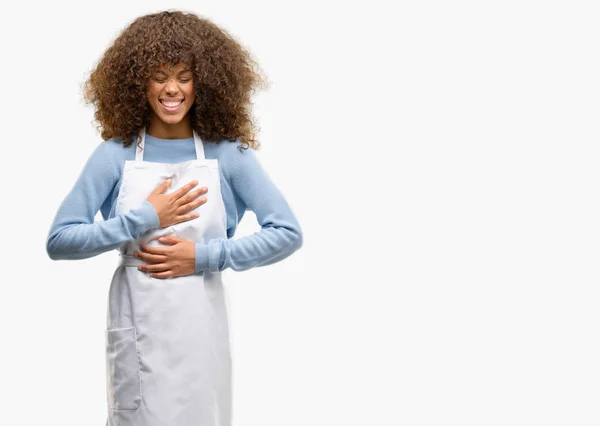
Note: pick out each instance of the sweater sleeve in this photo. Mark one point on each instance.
(74, 234)
(280, 233)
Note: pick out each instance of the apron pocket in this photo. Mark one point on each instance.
(123, 384)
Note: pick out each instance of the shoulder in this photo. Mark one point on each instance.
(115, 149)
(114, 153)
(223, 150)
(231, 155)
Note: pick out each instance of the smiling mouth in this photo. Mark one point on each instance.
(171, 104)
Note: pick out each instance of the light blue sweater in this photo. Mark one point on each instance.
(244, 186)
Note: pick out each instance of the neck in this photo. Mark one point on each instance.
(160, 129)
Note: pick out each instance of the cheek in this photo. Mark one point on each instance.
(152, 92)
(190, 93)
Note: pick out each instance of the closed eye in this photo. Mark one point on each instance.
(162, 80)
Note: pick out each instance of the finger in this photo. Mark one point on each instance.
(196, 193)
(186, 217)
(150, 258)
(158, 267)
(162, 187)
(191, 196)
(191, 206)
(155, 250)
(184, 189)
(165, 274)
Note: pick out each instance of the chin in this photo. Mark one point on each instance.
(170, 119)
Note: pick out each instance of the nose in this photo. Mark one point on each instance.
(171, 87)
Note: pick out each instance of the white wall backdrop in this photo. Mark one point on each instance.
(443, 161)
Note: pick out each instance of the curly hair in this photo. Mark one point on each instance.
(225, 77)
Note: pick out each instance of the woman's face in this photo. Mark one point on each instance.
(171, 93)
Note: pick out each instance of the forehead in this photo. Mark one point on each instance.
(168, 69)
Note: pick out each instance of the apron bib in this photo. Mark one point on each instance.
(168, 358)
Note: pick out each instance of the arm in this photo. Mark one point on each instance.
(280, 233)
(74, 235)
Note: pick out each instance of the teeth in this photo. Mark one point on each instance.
(171, 104)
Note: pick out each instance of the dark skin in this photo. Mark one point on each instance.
(177, 256)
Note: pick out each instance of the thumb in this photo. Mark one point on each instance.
(169, 239)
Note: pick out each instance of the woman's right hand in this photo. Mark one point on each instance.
(172, 208)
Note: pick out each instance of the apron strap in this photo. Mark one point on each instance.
(199, 146)
(139, 150)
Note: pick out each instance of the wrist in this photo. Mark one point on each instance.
(200, 257)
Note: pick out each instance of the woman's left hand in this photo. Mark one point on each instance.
(176, 260)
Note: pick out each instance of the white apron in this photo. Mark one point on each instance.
(168, 359)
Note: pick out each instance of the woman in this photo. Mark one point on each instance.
(172, 179)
